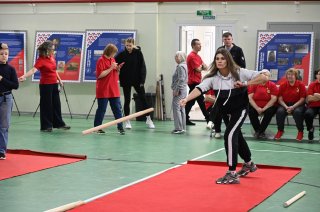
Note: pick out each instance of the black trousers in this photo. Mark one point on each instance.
(216, 117)
(50, 107)
(234, 141)
(260, 127)
(127, 98)
(298, 116)
(200, 100)
(309, 116)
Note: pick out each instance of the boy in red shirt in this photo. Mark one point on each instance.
(313, 100)
(292, 94)
(107, 87)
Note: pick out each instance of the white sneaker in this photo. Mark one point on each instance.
(128, 125)
(217, 135)
(149, 122)
(210, 125)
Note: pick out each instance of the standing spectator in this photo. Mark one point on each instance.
(195, 67)
(8, 81)
(228, 82)
(179, 91)
(133, 74)
(50, 105)
(235, 51)
(313, 100)
(292, 94)
(107, 87)
(262, 99)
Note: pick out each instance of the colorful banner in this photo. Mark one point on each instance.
(16, 41)
(96, 41)
(68, 53)
(279, 51)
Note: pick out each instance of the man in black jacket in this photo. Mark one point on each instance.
(234, 50)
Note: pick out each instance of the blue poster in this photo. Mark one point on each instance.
(68, 53)
(279, 51)
(16, 41)
(96, 41)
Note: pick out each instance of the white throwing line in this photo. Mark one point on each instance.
(148, 177)
(311, 153)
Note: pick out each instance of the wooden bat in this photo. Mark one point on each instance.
(293, 199)
(66, 207)
(117, 121)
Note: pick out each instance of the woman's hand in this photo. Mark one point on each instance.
(22, 79)
(183, 102)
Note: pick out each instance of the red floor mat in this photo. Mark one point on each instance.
(20, 162)
(192, 188)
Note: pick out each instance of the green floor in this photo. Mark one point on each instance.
(115, 160)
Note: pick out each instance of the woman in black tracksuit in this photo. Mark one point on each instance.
(229, 84)
(133, 74)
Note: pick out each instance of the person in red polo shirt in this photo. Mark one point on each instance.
(292, 94)
(313, 100)
(107, 87)
(262, 99)
(50, 105)
(195, 67)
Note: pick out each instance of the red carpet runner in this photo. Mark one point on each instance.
(20, 162)
(192, 188)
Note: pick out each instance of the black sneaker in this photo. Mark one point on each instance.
(46, 130)
(246, 169)
(2, 156)
(188, 122)
(311, 134)
(121, 131)
(177, 131)
(65, 127)
(100, 132)
(229, 178)
(262, 135)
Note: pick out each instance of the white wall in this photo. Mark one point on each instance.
(157, 27)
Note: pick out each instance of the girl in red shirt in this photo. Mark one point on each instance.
(50, 106)
(313, 99)
(107, 87)
(292, 94)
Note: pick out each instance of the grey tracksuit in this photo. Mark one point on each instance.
(179, 85)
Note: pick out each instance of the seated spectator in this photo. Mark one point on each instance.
(215, 118)
(262, 99)
(313, 100)
(292, 94)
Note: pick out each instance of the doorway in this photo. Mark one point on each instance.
(210, 37)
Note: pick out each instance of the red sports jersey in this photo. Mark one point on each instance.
(262, 93)
(193, 62)
(48, 70)
(293, 93)
(209, 104)
(108, 86)
(314, 87)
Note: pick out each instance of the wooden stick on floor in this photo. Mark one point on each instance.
(293, 199)
(117, 121)
(66, 207)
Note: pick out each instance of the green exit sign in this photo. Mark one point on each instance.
(204, 12)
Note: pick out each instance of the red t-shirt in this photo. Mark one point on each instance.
(48, 70)
(108, 86)
(209, 104)
(193, 62)
(293, 93)
(314, 87)
(262, 93)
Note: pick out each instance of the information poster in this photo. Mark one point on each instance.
(96, 41)
(279, 51)
(16, 41)
(68, 53)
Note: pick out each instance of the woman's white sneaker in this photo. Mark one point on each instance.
(128, 125)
